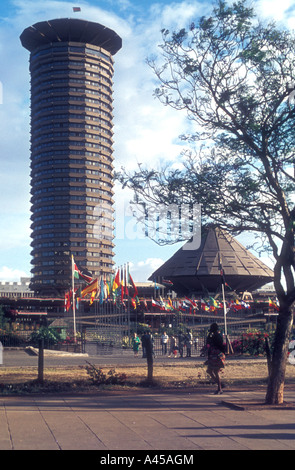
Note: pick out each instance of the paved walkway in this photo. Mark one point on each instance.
(147, 420)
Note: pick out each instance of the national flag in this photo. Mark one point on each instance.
(93, 294)
(192, 302)
(156, 304)
(102, 295)
(75, 9)
(273, 304)
(78, 297)
(90, 288)
(167, 282)
(204, 305)
(169, 304)
(116, 282)
(130, 280)
(213, 302)
(78, 274)
(181, 306)
(67, 305)
(238, 305)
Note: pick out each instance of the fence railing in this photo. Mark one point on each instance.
(251, 344)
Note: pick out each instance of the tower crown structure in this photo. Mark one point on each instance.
(71, 67)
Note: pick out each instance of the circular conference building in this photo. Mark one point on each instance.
(71, 67)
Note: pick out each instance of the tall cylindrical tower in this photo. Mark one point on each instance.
(71, 66)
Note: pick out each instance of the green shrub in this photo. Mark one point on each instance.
(98, 377)
(48, 335)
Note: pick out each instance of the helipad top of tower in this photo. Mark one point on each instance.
(70, 29)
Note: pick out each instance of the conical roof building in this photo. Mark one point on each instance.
(199, 270)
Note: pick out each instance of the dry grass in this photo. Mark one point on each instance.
(177, 374)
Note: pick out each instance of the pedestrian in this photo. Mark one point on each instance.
(147, 343)
(164, 342)
(188, 343)
(180, 344)
(172, 350)
(135, 344)
(216, 356)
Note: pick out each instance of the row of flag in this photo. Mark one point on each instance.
(121, 287)
(210, 304)
(117, 288)
(190, 305)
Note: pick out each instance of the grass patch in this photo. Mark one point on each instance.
(175, 375)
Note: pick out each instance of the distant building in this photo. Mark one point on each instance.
(71, 66)
(16, 289)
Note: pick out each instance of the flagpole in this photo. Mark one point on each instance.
(223, 296)
(74, 304)
(126, 269)
(224, 310)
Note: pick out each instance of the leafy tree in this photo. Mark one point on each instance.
(49, 335)
(3, 319)
(234, 76)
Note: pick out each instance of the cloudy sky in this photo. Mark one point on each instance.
(145, 130)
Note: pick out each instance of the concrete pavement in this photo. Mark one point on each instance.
(146, 420)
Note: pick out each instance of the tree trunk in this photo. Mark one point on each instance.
(150, 368)
(276, 382)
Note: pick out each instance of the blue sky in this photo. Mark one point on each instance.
(145, 131)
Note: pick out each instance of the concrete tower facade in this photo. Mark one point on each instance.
(71, 67)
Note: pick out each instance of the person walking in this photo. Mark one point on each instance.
(172, 350)
(216, 356)
(180, 344)
(188, 343)
(164, 342)
(135, 344)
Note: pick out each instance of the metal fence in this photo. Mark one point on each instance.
(113, 340)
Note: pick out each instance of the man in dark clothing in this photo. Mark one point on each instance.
(216, 357)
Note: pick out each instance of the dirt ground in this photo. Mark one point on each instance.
(174, 374)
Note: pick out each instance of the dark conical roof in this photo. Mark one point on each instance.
(199, 270)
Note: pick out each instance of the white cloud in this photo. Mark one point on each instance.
(11, 274)
(274, 9)
(142, 270)
(145, 130)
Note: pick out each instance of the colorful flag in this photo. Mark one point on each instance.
(273, 304)
(75, 9)
(192, 302)
(204, 305)
(93, 294)
(135, 293)
(78, 274)
(90, 288)
(116, 283)
(102, 292)
(78, 297)
(67, 301)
